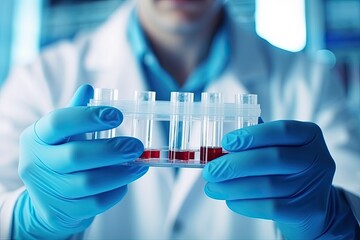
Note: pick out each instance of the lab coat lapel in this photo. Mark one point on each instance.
(110, 62)
(183, 186)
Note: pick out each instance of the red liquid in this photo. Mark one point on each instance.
(192, 155)
(179, 155)
(210, 153)
(153, 153)
(146, 154)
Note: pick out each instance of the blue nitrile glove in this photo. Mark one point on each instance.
(282, 171)
(68, 181)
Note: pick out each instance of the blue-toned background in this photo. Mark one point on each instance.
(326, 29)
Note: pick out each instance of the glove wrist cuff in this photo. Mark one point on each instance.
(27, 224)
(341, 221)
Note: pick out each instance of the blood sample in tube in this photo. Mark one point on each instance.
(210, 153)
(142, 125)
(180, 125)
(212, 126)
(192, 155)
(154, 153)
(179, 155)
(146, 154)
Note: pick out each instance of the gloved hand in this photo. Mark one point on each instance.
(282, 171)
(68, 181)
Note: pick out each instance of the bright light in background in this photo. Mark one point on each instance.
(282, 23)
(27, 14)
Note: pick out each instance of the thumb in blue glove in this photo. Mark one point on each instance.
(69, 182)
(282, 171)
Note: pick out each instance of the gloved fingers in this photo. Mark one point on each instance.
(259, 162)
(254, 208)
(277, 133)
(289, 210)
(90, 206)
(83, 155)
(60, 124)
(262, 187)
(95, 181)
(82, 96)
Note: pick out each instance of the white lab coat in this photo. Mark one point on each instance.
(156, 206)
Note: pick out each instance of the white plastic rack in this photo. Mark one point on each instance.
(181, 112)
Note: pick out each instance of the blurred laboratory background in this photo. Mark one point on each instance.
(327, 29)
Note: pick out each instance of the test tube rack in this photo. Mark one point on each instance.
(181, 112)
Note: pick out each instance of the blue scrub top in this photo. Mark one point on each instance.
(160, 81)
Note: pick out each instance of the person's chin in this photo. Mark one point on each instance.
(184, 4)
(181, 23)
(183, 15)
(184, 10)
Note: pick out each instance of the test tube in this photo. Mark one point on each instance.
(104, 97)
(180, 125)
(244, 102)
(142, 124)
(212, 126)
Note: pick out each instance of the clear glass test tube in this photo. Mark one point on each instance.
(142, 124)
(212, 126)
(245, 101)
(180, 125)
(104, 97)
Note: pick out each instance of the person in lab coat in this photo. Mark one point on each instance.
(277, 180)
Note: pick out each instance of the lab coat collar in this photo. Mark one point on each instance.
(109, 55)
